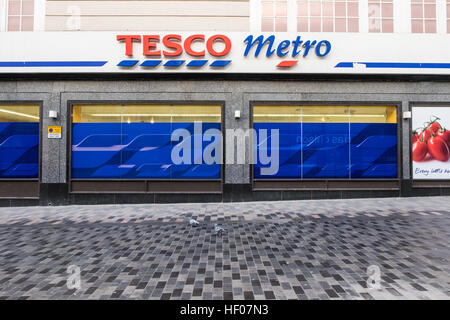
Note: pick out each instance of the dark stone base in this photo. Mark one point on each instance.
(58, 194)
(19, 202)
(407, 190)
(53, 194)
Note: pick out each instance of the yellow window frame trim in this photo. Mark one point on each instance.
(146, 113)
(20, 113)
(325, 114)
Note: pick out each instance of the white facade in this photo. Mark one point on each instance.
(246, 52)
(363, 36)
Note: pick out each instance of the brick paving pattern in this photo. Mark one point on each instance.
(270, 250)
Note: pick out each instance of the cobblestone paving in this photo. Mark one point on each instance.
(271, 250)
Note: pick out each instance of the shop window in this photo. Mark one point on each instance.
(423, 16)
(20, 15)
(19, 141)
(274, 16)
(328, 142)
(381, 16)
(327, 16)
(135, 141)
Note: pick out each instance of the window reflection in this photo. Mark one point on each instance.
(328, 15)
(381, 13)
(20, 15)
(274, 16)
(423, 16)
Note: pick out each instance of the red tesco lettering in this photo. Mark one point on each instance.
(173, 45)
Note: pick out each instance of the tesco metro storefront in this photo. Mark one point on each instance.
(104, 117)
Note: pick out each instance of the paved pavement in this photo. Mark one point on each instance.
(271, 250)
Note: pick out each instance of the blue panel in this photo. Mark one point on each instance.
(373, 150)
(19, 150)
(289, 150)
(22, 170)
(148, 145)
(96, 145)
(344, 65)
(333, 151)
(397, 65)
(407, 65)
(174, 63)
(220, 63)
(150, 63)
(197, 63)
(325, 150)
(33, 64)
(154, 171)
(127, 63)
(134, 151)
(65, 63)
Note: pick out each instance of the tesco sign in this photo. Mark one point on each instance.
(173, 45)
(222, 52)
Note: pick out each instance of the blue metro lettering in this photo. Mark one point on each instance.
(283, 46)
(327, 45)
(297, 42)
(308, 44)
(261, 43)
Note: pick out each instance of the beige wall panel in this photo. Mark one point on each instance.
(151, 8)
(148, 23)
(152, 0)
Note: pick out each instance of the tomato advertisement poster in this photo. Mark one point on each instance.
(431, 142)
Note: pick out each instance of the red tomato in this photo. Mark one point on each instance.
(435, 126)
(425, 135)
(415, 136)
(438, 149)
(444, 135)
(419, 150)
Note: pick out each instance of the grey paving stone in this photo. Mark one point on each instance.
(271, 250)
